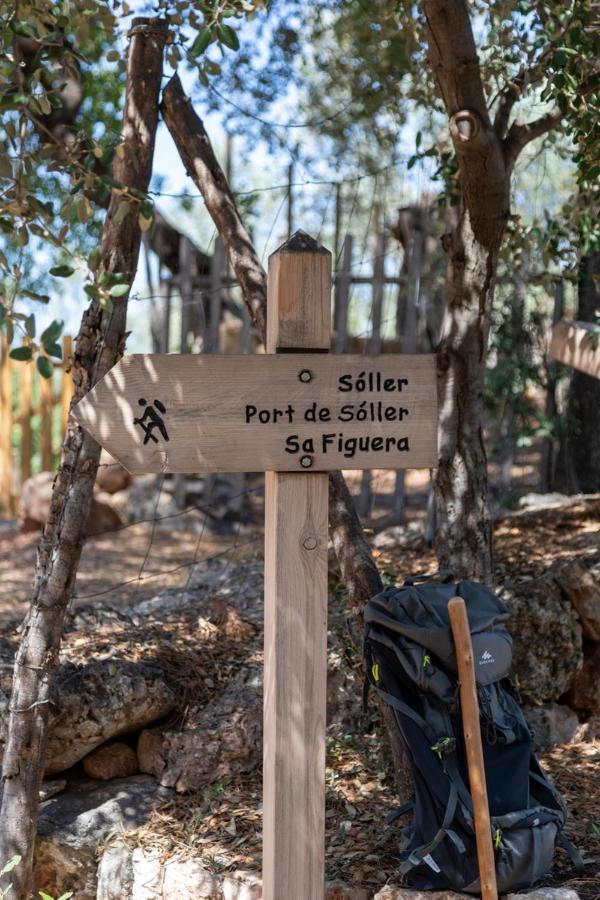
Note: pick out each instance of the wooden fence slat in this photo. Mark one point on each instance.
(342, 297)
(47, 408)
(25, 414)
(66, 383)
(6, 429)
(575, 344)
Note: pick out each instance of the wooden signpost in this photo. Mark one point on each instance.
(296, 414)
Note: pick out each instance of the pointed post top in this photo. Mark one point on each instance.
(301, 242)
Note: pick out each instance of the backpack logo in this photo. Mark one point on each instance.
(486, 657)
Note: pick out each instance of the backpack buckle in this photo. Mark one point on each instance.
(444, 747)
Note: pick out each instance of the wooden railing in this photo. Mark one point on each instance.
(33, 417)
(576, 344)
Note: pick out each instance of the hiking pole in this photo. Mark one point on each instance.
(469, 705)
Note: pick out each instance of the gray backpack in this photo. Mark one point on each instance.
(410, 663)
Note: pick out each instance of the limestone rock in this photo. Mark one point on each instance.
(75, 823)
(142, 875)
(404, 535)
(112, 476)
(222, 738)
(583, 590)
(339, 891)
(103, 516)
(590, 730)
(100, 700)
(584, 693)
(399, 893)
(546, 893)
(36, 495)
(547, 638)
(543, 501)
(552, 724)
(116, 760)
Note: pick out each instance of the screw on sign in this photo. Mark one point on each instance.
(289, 411)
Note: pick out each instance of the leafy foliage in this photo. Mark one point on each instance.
(61, 84)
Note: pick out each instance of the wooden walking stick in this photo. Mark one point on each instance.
(470, 718)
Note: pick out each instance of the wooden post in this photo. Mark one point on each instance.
(6, 430)
(472, 732)
(46, 409)
(25, 414)
(66, 384)
(342, 296)
(296, 513)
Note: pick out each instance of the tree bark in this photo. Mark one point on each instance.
(583, 411)
(358, 569)
(486, 156)
(100, 344)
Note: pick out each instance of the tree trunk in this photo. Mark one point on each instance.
(99, 345)
(583, 412)
(463, 532)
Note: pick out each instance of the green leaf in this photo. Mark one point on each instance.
(44, 367)
(66, 896)
(201, 42)
(94, 259)
(45, 896)
(33, 295)
(52, 332)
(119, 290)
(62, 271)
(92, 291)
(30, 325)
(54, 350)
(21, 353)
(228, 36)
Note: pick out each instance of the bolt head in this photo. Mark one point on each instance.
(305, 376)
(306, 462)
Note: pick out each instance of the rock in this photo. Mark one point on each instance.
(404, 535)
(103, 515)
(222, 738)
(115, 760)
(36, 495)
(115, 874)
(546, 893)
(400, 893)
(168, 601)
(73, 825)
(583, 590)
(544, 501)
(144, 501)
(584, 692)
(112, 476)
(337, 890)
(552, 724)
(547, 639)
(35, 500)
(102, 700)
(143, 875)
(52, 788)
(590, 730)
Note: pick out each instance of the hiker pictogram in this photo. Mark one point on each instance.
(154, 420)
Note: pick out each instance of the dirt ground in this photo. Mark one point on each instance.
(222, 825)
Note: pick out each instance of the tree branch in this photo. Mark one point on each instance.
(453, 57)
(195, 149)
(509, 96)
(520, 134)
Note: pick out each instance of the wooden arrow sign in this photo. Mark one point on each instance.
(286, 412)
